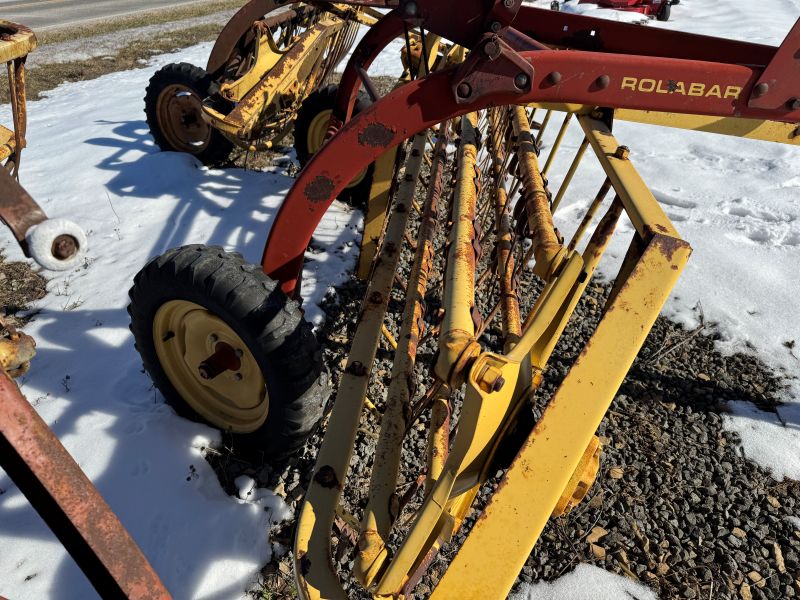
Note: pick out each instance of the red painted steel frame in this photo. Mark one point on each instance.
(61, 493)
(588, 78)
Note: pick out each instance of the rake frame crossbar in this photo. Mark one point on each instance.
(487, 565)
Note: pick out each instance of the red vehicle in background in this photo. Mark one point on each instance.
(660, 9)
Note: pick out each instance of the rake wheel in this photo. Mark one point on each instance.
(310, 129)
(225, 347)
(173, 106)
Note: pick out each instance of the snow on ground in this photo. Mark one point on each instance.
(586, 582)
(592, 10)
(91, 159)
(736, 202)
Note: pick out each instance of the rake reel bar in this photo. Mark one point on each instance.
(478, 390)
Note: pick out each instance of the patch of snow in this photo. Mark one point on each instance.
(592, 10)
(90, 158)
(770, 440)
(735, 201)
(586, 582)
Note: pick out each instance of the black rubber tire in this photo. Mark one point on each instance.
(665, 12)
(271, 325)
(219, 147)
(316, 102)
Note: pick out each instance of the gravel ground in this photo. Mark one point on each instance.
(676, 505)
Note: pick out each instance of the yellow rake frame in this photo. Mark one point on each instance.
(557, 464)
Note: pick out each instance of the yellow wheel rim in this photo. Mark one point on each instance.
(186, 336)
(316, 136)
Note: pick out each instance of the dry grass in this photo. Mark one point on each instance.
(140, 19)
(42, 78)
(19, 287)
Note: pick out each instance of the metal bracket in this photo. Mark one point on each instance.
(778, 88)
(492, 67)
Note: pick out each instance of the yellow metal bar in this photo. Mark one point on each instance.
(498, 546)
(377, 206)
(381, 512)
(547, 248)
(752, 129)
(545, 122)
(645, 212)
(590, 213)
(298, 65)
(313, 568)
(557, 144)
(570, 175)
(458, 328)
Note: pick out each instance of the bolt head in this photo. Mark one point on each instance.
(760, 90)
(213, 338)
(522, 80)
(508, 3)
(554, 78)
(603, 81)
(411, 9)
(495, 27)
(623, 152)
(492, 49)
(794, 104)
(464, 90)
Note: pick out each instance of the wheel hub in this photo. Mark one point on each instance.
(180, 114)
(210, 366)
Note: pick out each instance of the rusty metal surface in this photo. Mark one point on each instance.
(547, 248)
(70, 505)
(239, 25)
(16, 351)
(777, 87)
(16, 41)
(505, 264)
(381, 511)
(17, 208)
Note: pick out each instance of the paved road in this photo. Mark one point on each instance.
(41, 14)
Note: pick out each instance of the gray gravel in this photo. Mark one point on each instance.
(676, 506)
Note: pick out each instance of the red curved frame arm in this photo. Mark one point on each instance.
(586, 78)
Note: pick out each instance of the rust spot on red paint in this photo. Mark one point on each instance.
(320, 190)
(376, 135)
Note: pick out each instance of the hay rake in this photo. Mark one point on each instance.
(498, 198)
(460, 189)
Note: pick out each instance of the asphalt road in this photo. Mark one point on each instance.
(41, 14)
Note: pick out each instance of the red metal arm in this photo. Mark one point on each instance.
(70, 505)
(590, 78)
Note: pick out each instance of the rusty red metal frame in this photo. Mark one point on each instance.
(672, 80)
(70, 505)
